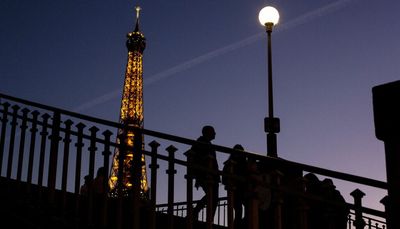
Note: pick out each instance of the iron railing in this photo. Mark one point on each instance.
(52, 148)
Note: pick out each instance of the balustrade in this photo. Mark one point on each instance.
(66, 150)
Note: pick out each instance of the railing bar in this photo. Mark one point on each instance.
(4, 122)
(79, 146)
(53, 157)
(171, 183)
(12, 141)
(67, 141)
(189, 190)
(34, 130)
(92, 150)
(153, 185)
(43, 142)
(23, 128)
(218, 215)
(106, 161)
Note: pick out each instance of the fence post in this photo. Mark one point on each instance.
(24, 126)
(92, 150)
(79, 145)
(189, 189)
(171, 182)
(78, 161)
(357, 194)
(153, 186)
(210, 192)
(54, 142)
(67, 141)
(4, 121)
(32, 148)
(43, 140)
(92, 154)
(12, 140)
(106, 161)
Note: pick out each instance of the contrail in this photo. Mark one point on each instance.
(322, 11)
(99, 100)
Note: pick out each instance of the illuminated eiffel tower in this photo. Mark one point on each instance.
(131, 112)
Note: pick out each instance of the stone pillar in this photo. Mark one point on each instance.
(386, 99)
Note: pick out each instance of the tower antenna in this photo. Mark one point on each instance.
(138, 9)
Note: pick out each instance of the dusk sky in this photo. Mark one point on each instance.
(205, 63)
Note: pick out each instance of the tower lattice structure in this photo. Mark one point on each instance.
(131, 113)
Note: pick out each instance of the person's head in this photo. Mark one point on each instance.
(238, 147)
(208, 132)
(327, 184)
(87, 179)
(235, 156)
(311, 178)
(312, 182)
(101, 172)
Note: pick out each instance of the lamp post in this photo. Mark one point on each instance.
(269, 17)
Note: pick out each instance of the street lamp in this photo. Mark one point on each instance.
(269, 17)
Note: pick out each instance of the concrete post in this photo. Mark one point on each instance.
(386, 100)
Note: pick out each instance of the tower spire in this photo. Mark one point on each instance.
(138, 9)
(131, 114)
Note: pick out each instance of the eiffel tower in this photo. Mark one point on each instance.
(131, 113)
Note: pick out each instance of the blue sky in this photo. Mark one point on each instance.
(205, 63)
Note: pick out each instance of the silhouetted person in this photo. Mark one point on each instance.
(84, 190)
(86, 193)
(205, 157)
(236, 165)
(328, 208)
(335, 213)
(314, 191)
(99, 190)
(98, 182)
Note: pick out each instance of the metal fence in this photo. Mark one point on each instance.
(53, 148)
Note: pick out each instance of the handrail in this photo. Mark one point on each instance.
(223, 149)
(56, 130)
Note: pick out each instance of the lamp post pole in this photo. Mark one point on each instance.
(269, 17)
(271, 124)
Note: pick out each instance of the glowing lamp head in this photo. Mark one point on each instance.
(268, 15)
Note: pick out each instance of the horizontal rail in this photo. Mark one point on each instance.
(223, 149)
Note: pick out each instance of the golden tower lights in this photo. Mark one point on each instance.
(131, 113)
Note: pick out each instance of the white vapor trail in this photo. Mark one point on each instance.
(322, 11)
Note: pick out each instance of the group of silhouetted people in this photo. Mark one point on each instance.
(251, 181)
(326, 205)
(95, 185)
(238, 172)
